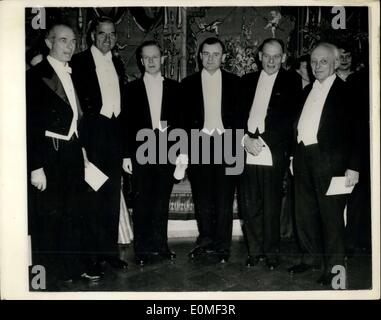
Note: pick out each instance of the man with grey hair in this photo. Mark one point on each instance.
(326, 146)
(55, 161)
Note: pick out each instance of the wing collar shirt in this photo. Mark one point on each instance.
(308, 124)
(212, 94)
(154, 89)
(261, 101)
(108, 82)
(63, 72)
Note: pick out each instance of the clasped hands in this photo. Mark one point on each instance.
(253, 145)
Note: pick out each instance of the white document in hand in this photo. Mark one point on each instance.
(94, 177)
(263, 159)
(337, 186)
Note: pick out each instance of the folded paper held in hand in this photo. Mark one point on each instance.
(94, 177)
(337, 186)
(181, 165)
(263, 159)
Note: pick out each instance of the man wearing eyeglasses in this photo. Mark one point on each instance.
(99, 78)
(268, 108)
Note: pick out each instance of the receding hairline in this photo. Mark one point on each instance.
(53, 30)
(329, 46)
(272, 41)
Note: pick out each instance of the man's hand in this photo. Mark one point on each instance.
(352, 177)
(38, 179)
(292, 165)
(182, 161)
(127, 165)
(253, 146)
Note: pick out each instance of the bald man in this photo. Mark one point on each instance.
(326, 147)
(268, 109)
(55, 160)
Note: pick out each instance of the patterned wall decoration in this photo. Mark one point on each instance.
(180, 31)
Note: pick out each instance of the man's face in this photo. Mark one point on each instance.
(104, 37)
(151, 59)
(212, 57)
(323, 63)
(272, 57)
(61, 43)
(345, 60)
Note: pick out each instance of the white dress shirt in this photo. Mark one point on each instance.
(154, 89)
(261, 101)
(63, 72)
(212, 94)
(309, 120)
(108, 82)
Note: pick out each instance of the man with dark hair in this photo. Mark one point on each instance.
(210, 102)
(99, 78)
(327, 145)
(55, 160)
(152, 104)
(268, 109)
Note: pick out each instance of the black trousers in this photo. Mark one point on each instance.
(55, 219)
(104, 150)
(260, 201)
(358, 228)
(319, 218)
(152, 186)
(213, 196)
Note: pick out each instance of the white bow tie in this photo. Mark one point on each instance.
(67, 69)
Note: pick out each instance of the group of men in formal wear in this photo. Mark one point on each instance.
(90, 115)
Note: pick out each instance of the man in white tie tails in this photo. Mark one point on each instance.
(99, 78)
(327, 145)
(55, 162)
(153, 105)
(210, 99)
(269, 108)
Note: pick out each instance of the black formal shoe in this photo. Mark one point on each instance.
(141, 259)
(272, 263)
(252, 261)
(223, 256)
(90, 277)
(196, 251)
(325, 279)
(168, 255)
(299, 268)
(118, 263)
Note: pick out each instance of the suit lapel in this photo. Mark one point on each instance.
(200, 98)
(224, 95)
(305, 93)
(276, 88)
(145, 103)
(251, 92)
(327, 105)
(164, 102)
(51, 79)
